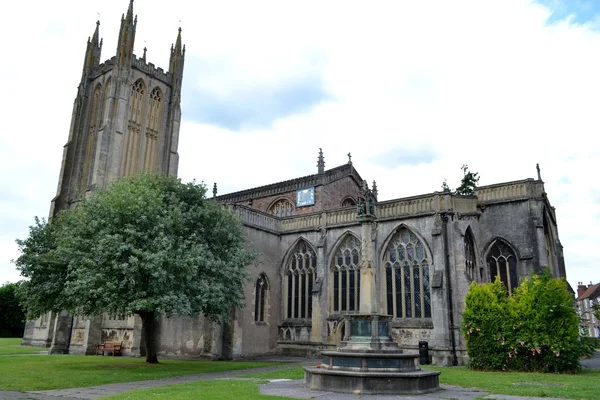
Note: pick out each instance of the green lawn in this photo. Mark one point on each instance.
(580, 386)
(289, 372)
(13, 346)
(214, 390)
(21, 373)
(585, 385)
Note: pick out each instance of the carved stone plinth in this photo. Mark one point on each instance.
(370, 362)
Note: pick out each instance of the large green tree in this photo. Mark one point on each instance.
(148, 245)
(12, 317)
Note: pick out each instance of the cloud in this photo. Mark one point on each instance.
(251, 105)
(405, 155)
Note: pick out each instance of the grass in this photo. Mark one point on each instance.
(12, 346)
(585, 385)
(293, 373)
(214, 390)
(18, 373)
(578, 386)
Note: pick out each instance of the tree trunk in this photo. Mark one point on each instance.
(148, 327)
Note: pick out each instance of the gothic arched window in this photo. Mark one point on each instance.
(282, 208)
(502, 262)
(549, 245)
(408, 292)
(300, 276)
(346, 276)
(470, 259)
(153, 129)
(95, 113)
(348, 202)
(261, 290)
(134, 128)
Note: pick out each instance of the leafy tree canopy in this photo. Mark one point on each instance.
(468, 183)
(148, 245)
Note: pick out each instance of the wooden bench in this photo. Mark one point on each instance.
(112, 347)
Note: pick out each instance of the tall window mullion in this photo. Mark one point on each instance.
(407, 277)
(300, 275)
(502, 262)
(345, 293)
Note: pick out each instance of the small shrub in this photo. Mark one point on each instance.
(535, 329)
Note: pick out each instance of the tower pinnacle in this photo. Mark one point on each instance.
(93, 50)
(321, 162)
(126, 38)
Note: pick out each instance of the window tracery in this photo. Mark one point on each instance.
(94, 122)
(502, 262)
(470, 260)
(549, 247)
(345, 271)
(282, 208)
(153, 129)
(299, 279)
(134, 128)
(261, 289)
(348, 202)
(408, 291)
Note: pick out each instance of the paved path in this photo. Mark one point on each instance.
(297, 390)
(592, 362)
(284, 388)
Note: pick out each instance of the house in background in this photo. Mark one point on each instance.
(587, 297)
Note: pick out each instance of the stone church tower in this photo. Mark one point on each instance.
(125, 118)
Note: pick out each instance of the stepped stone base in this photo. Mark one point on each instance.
(370, 362)
(358, 382)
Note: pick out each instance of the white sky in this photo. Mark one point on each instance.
(413, 89)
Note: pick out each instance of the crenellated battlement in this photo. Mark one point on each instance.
(150, 69)
(138, 63)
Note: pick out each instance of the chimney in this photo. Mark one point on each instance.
(581, 288)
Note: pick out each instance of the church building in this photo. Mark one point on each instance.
(316, 235)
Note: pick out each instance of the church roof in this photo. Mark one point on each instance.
(328, 176)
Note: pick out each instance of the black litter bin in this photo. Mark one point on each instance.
(423, 353)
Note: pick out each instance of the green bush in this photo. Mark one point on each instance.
(12, 317)
(535, 329)
(591, 342)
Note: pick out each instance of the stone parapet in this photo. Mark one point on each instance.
(257, 219)
(524, 189)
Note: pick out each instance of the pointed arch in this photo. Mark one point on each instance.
(95, 116)
(299, 276)
(549, 241)
(345, 273)
(502, 260)
(261, 296)
(131, 147)
(282, 207)
(472, 270)
(406, 265)
(348, 202)
(153, 129)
